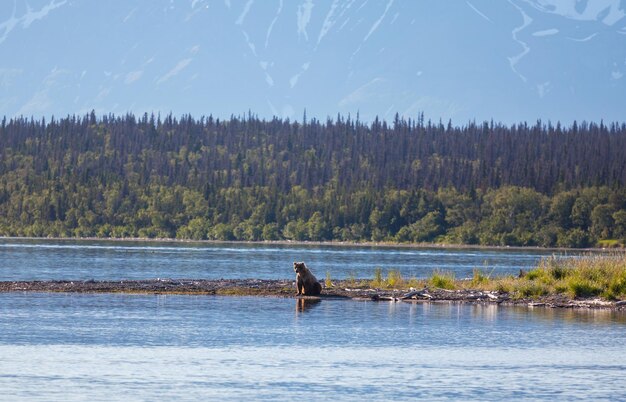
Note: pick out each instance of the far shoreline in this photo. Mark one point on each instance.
(332, 243)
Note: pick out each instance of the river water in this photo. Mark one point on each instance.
(23, 259)
(156, 347)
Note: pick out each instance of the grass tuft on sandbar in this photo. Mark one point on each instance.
(600, 276)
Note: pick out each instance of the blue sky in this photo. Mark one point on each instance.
(515, 60)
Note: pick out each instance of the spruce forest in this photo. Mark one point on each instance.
(251, 179)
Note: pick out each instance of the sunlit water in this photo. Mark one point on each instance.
(138, 347)
(22, 259)
(149, 347)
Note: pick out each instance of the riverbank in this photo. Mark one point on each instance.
(346, 289)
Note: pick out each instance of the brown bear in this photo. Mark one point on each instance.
(306, 282)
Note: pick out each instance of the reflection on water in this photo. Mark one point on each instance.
(86, 347)
(304, 304)
(491, 312)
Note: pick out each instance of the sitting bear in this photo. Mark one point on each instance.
(306, 282)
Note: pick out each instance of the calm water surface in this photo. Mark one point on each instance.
(137, 347)
(22, 259)
(148, 347)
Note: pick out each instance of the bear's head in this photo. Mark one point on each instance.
(299, 267)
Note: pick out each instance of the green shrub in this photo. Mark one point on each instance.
(328, 282)
(352, 279)
(581, 287)
(378, 277)
(479, 277)
(525, 288)
(504, 285)
(442, 280)
(534, 274)
(394, 278)
(616, 287)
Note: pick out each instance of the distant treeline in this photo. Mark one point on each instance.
(251, 179)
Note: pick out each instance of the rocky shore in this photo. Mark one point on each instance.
(286, 288)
